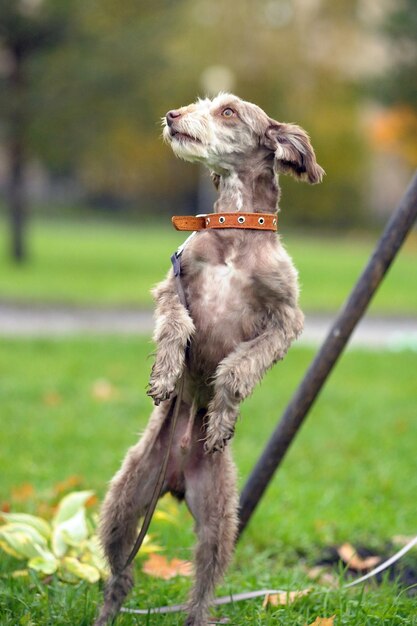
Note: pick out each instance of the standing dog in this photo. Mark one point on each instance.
(241, 316)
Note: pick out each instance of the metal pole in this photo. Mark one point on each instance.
(390, 242)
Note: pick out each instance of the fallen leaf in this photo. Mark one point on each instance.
(23, 492)
(323, 576)
(103, 390)
(5, 507)
(92, 501)
(68, 484)
(20, 573)
(283, 598)
(402, 540)
(52, 398)
(45, 510)
(349, 555)
(159, 566)
(323, 621)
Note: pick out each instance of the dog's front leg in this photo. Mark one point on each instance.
(173, 329)
(237, 375)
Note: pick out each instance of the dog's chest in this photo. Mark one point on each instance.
(223, 280)
(223, 287)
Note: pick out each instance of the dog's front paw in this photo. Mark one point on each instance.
(161, 389)
(220, 430)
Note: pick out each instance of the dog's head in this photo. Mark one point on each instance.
(227, 133)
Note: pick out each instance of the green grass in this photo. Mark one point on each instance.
(104, 264)
(350, 475)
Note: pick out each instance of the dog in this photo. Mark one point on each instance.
(239, 315)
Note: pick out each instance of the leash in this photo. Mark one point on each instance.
(231, 598)
(160, 481)
(383, 566)
(238, 597)
(174, 410)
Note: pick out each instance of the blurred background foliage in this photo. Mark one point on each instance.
(85, 83)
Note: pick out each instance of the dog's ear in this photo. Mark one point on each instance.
(294, 153)
(215, 178)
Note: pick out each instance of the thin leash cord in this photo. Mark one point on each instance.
(176, 608)
(380, 568)
(160, 482)
(176, 263)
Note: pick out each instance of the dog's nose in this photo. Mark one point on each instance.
(171, 116)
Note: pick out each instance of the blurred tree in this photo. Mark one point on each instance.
(101, 96)
(27, 29)
(395, 128)
(400, 29)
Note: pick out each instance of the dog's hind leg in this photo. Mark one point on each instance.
(127, 500)
(212, 498)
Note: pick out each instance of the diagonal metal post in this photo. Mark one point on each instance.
(385, 251)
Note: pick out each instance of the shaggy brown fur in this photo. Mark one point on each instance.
(242, 294)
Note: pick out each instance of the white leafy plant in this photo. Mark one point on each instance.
(67, 546)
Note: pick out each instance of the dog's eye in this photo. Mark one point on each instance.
(228, 112)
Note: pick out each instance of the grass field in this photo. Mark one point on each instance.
(350, 476)
(115, 265)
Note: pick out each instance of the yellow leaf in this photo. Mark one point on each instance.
(80, 570)
(349, 555)
(51, 398)
(9, 550)
(394, 130)
(93, 555)
(69, 483)
(37, 523)
(283, 598)
(71, 504)
(23, 540)
(158, 566)
(46, 563)
(103, 390)
(402, 540)
(23, 492)
(20, 573)
(163, 516)
(323, 576)
(148, 547)
(323, 621)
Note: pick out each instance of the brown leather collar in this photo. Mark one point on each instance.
(254, 221)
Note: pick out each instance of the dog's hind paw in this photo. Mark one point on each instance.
(217, 437)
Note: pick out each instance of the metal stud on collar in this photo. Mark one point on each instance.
(222, 219)
(241, 219)
(261, 221)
